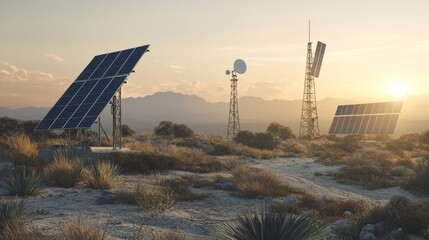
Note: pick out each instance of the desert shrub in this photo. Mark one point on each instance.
(179, 188)
(264, 141)
(245, 138)
(13, 215)
(424, 137)
(182, 131)
(63, 171)
(407, 142)
(24, 182)
(280, 132)
(9, 126)
(254, 182)
(400, 212)
(233, 163)
(140, 162)
(156, 198)
(350, 143)
(101, 175)
(298, 148)
(420, 181)
(127, 131)
(164, 129)
(270, 225)
(81, 228)
(257, 140)
(22, 151)
(192, 160)
(169, 129)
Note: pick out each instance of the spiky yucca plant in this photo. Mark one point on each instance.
(13, 214)
(102, 175)
(24, 182)
(270, 225)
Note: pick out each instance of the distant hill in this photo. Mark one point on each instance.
(143, 114)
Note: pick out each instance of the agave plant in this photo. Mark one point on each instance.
(24, 182)
(102, 175)
(13, 213)
(270, 225)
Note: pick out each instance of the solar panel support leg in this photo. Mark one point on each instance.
(117, 122)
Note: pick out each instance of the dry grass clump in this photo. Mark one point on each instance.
(13, 217)
(160, 196)
(192, 160)
(400, 212)
(254, 182)
(21, 150)
(151, 158)
(152, 198)
(81, 228)
(101, 175)
(63, 171)
(180, 189)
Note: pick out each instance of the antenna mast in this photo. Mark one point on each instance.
(309, 127)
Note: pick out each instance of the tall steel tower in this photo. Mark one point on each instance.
(309, 127)
(234, 118)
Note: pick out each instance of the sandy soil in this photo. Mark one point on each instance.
(301, 173)
(197, 219)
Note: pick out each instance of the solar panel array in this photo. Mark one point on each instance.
(366, 119)
(87, 96)
(318, 58)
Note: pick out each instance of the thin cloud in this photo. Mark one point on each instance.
(54, 57)
(22, 87)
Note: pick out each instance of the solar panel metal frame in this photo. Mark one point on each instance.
(106, 73)
(370, 119)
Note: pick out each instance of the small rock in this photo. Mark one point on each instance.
(379, 228)
(347, 214)
(367, 232)
(397, 234)
(341, 224)
(225, 186)
(414, 237)
(290, 201)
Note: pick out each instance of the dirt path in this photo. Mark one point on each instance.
(301, 173)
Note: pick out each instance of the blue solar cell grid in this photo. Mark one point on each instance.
(85, 99)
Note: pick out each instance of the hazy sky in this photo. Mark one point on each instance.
(371, 46)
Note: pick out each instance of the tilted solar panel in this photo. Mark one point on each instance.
(87, 96)
(318, 58)
(361, 119)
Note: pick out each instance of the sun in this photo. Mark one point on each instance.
(399, 89)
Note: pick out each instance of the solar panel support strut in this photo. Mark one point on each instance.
(234, 118)
(117, 121)
(309, 127)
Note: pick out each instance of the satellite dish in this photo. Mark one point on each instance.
(227, 72)
(240, 66)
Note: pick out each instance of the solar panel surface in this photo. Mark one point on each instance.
(366, 119)
(85, 99)
(318, 58)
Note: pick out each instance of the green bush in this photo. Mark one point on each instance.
(169, 129)
(270, 225)
(256, 140)
(127, 131)
(24, 182)
(279, 131)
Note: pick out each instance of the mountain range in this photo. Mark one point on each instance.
(144, 113)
